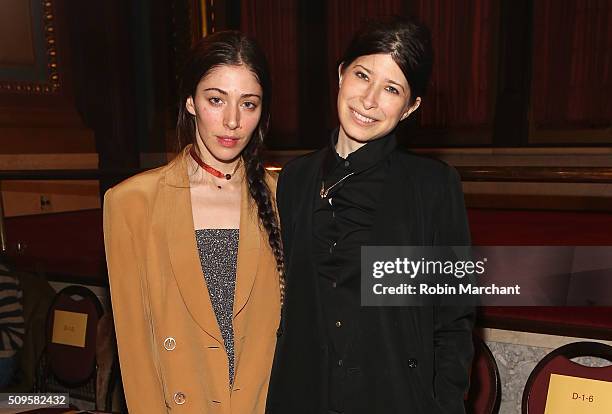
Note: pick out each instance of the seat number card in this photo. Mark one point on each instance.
(574, 395)
(69, 328)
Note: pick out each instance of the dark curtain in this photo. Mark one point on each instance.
(463, 88)
(461, 91)
(344, 17)
(273, 24)
(572, 63)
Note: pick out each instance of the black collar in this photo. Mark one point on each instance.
(360, 160)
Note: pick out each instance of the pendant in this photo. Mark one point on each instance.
(323, 193)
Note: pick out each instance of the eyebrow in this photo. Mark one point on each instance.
(222, 92)
(364, 68)
(386, 80)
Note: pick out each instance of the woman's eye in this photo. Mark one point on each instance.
(215, 101)
(361, 75)
(249, 105)
(392, 90)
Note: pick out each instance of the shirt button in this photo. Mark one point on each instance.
(340, 362)
(346, 163)
(334, 285)
(338, 324)
(169, 343)
(412, 363)
(179, 398)
(331, 248)
(333, 214)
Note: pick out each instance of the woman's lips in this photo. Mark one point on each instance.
(227, 142)
(361, 119)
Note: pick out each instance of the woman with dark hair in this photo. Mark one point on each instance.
(193, 248)
(333, 355)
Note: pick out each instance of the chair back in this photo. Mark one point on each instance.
(73, 365)
(559, 362)
(484, 395)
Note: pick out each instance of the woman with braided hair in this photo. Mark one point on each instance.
(193, 248)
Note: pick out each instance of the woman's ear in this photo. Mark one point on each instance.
(190, 106)
(412, 108)
(340, 75)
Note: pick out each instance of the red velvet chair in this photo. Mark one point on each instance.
(484, 395)
(559, 362)
(67, 368)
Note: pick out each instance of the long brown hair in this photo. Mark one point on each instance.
(235, 49)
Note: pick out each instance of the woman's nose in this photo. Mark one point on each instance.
(232, 118)
(369, 98)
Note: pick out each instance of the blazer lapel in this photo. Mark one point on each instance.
(398, 218)
(183, 251)
(248, 250)
(311, 192)
(388, 199)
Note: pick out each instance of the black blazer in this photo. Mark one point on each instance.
(412, 360)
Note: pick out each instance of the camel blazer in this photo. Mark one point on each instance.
(172, 355)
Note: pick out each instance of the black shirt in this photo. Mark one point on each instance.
(342, 223)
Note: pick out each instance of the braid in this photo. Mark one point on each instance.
(261, 194)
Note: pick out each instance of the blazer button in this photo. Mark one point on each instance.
(179, 398)
(412, 363)
(169, 343)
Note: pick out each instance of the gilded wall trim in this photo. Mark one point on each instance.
(52, 83)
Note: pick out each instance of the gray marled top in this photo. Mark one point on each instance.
(218, 250)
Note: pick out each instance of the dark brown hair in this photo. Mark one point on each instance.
(406, 40)
(235, 49)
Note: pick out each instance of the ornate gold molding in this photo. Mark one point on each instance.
(53, 82)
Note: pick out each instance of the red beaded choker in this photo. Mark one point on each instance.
(208, 168)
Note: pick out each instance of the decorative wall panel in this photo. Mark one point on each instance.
(28, 53)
